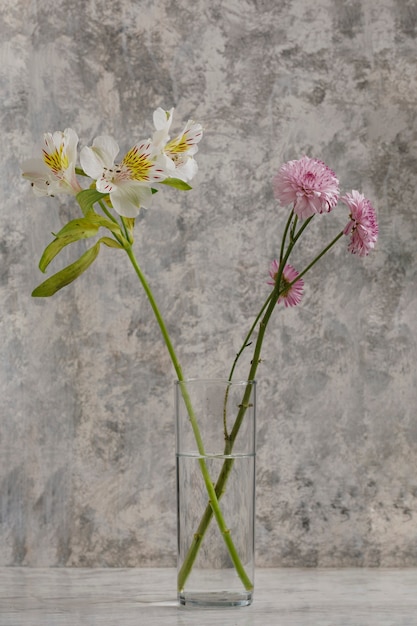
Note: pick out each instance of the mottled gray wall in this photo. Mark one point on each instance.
(87, 430)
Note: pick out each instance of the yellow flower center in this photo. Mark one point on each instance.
(137, 163)
(177, 145)
(57, 161)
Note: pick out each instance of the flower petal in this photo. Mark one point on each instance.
(362, 226)
(91, 163)
(128, 198)
(187, 170)
(70, 142)
(162, 119)
(100, 155)
(309, 184)
(290, 288)
(34, 168)
(107, 149)
(42, 181)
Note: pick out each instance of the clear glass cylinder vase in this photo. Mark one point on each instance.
(215, 460)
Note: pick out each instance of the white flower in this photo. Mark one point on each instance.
(54, 173)
(162, 121)
(177, 153)
(129, 181)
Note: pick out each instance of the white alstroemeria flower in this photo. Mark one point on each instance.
(54, 173)
(129, 181)
(176, 154)
(162, 121)
(179, 152)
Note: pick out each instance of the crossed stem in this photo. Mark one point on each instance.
(215, 491)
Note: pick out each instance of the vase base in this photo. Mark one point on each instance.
(214, 599)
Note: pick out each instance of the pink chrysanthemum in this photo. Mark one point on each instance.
(309, 184)
(290, 294)
(362, 226)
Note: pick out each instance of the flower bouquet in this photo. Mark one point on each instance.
(116, 191)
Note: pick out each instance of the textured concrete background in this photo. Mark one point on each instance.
(87, 430)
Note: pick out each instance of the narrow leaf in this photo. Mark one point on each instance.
(67, 275)
(177, 183)
(104, 222)
(87, 198)
(111, 243)
(73, 231)
(80, 228)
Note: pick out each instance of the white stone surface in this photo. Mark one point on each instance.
(294, 597)
(86, 401)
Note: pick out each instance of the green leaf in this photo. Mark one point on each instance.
(111, 243)
(113, 227)
(87, 198)
(53, 249)
(177, 183)
(67, 275)
(81, 228)
(73, 231)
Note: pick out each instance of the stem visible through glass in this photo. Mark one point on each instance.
(211, 491)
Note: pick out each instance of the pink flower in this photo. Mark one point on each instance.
(290, 294)
(362, 226)
(308, 184)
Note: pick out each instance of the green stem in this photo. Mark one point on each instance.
(293, 227)
(262, 328)
(276, 290)
(159, 318)
(107, 212)
(318, 257)
(211, 491)
(245, 345)
(128, 233)
(284, 236)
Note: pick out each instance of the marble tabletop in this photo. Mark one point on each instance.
(146, 597)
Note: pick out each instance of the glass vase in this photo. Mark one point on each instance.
(215, 461)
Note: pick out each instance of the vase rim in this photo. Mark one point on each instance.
(223, 381)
